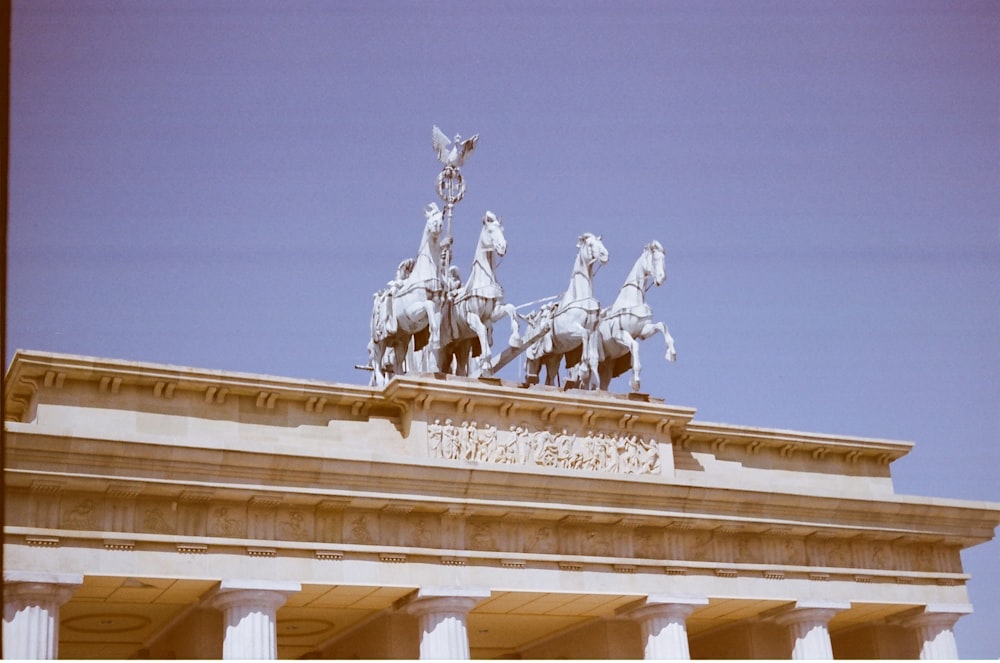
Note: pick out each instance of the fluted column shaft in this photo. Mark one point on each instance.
(443, 631)
(31, 613)
(807, 624)
(249, 617)
(664, 629)
(935, 634)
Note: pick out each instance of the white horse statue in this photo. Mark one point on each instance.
(574, 320)
(630, 320)
(472, 309)
(409, 307)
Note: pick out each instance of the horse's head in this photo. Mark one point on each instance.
(592, 249)
(435, 220)
(655, 257)
(492, 237)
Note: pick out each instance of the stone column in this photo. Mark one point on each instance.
(664, 629)
(807, 624)
(442, 613)
(934, 628)
(31, 612)
(249, 608)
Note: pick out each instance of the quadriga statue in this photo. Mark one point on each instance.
(408, 308)
(630, 320)
(573, 330)
(470, 310)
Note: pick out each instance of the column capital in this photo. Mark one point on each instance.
(445, 599)
(43, 577)
(31, 612)
(811, 611)
(266, 594)
(662, 606)
(934, 629)
(937, 614)
(24, 586)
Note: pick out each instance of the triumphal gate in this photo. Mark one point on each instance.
(438, 511)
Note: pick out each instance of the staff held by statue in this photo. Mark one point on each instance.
(450, 184)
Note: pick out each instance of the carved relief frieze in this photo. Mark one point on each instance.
(597, 451)
(157, 517)
(229, 520)
(80, 512)
(361, 528)
(747, 548)
(597, 541)
(541, 538)
(422, 531)
(269, 519)
(295, 525)
(481, 534)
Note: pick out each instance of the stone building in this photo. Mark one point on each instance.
(156, 511)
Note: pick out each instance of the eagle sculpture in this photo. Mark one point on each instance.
(453, 153)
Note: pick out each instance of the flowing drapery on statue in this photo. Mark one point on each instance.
(573, 323)
(630, 320)
(468, 312)
(409, 307)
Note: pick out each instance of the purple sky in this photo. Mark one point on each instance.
(225, 184)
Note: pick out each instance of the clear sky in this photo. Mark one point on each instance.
(225, 184)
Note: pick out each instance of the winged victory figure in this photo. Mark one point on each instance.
(453, 153)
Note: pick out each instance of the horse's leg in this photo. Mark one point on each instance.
(434, 343)
(606, 364)
(375, 359)
(552, 368)
(591, 358)
(651, 328)
(476, 324)
(445, 359)
(462, 352)
(604, 370)
(515, 329)
(628, 341)
(399, 355)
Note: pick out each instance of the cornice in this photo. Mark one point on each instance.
(817, 445)
(400, 400)
(30, 371)
(417, 395)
